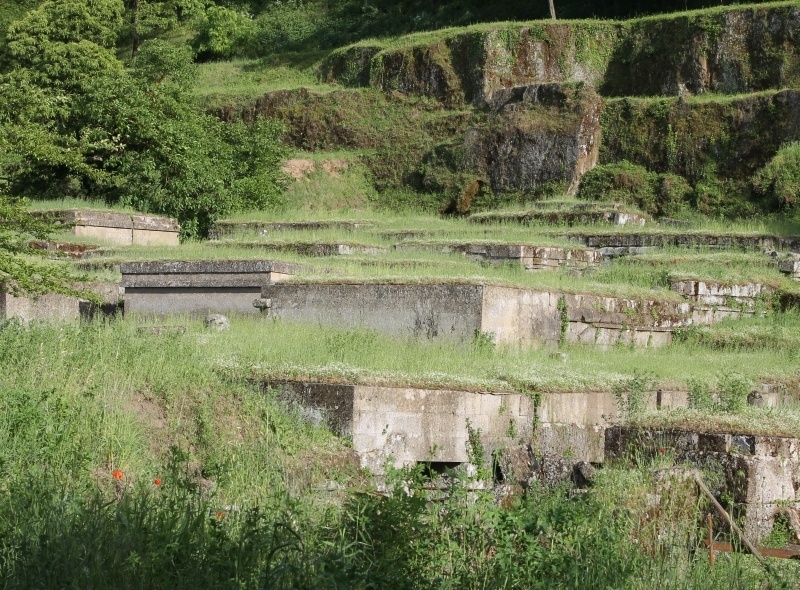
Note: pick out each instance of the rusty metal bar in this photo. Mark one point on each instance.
(766, 551)
(747, 543)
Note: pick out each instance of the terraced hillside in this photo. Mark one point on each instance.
(524, 313)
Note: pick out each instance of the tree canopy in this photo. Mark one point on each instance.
(78, 123)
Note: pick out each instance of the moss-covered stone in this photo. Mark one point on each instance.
(349, 66)
(742, 49)
(716, 146)
(738, 49)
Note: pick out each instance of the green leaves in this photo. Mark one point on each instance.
(76, 123)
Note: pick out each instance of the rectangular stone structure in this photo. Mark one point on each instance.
(791, 268)
(403, 426)
(631, 243)
(459, 311)
(118, 228)
(198, 287)
(57, 308)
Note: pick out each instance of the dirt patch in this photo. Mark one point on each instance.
(299, 168)
(335, 167)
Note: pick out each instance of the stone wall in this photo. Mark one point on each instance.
(757, 476)
(198, 287)
(528, 256)
(622, 244)
(59, 308)
(511, 316)
(411, 310)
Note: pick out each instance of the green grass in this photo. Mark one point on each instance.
(70, 203)
(241, 81)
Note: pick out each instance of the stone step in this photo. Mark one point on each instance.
(531, 257)
(567, 217)
(223, 229)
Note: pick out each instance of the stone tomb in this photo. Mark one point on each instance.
(510, 316)
(528, 256)
(227, 229)
(714, 301)
(565, 217)
(760, 475)
(406, 425)
(198, 287)
(409, 425)
(122, 229)
(59, 308)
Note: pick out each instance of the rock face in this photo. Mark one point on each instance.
(729, 51)
(536, 135)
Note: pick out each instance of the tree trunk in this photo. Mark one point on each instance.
(552, 10)
(135, 41)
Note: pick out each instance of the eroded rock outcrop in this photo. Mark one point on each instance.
(536, 135)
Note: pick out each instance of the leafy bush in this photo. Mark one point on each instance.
(779, 181)
(631, 394)
(622, 182)
(732, 390)
(224, 33)
(700, 395)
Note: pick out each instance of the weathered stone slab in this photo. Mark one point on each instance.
(198, 287)
(310, 248)
(723, 299)
(530, 257)
(223, 229)
(759, 474)
(59, 308)
(511, 316)
(118, 228)
(790, 267)
(68, 249)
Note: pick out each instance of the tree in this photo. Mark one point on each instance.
(146, 18)
(78, 123)
(552, 10)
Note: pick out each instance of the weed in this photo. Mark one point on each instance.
(631, 394)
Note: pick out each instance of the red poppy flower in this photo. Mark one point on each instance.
(661, 451)
(220, 515)
(157, 481)
(117, 474)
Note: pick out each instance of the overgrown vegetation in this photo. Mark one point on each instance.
(133, 458)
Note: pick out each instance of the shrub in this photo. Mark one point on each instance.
(621, 182)
(700, 395)
(631, 394)
(732, 391)
(223, 33)
(779, 181)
